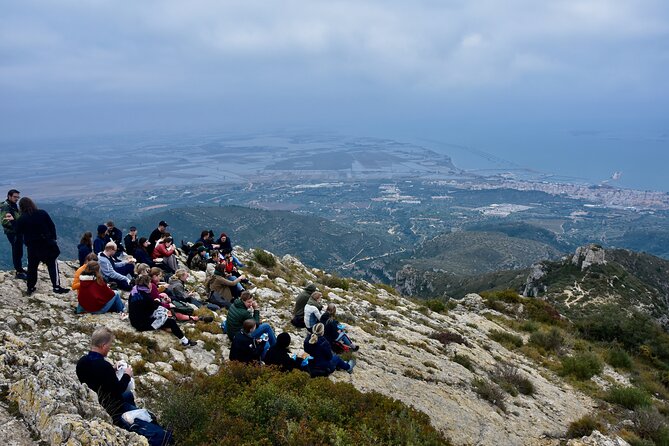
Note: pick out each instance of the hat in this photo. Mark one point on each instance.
(102, 228)
(163, 223)
(132, 228)
(201, 249)
(311, 288)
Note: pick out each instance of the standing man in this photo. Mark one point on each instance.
(156, 235)
(10, 214)
(39, 233)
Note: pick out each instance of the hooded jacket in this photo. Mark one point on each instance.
(312, 312)
(93, 296)
(302, 299)
(237, 314)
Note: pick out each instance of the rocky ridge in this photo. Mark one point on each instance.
(42, 338)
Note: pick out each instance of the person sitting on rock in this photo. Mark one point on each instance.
(225, 247)
(113, 271)
(94, 294)
(158, 293)
(279, 355)
(156, 235)
(177, 288)
(100, 376)
(335, 332)
(164, 254)
(207, 240)
(312, 310)
(141, 253)
(116, 235)
(324, 360)
(145, 313)
(200, 259)
(131, 241)
(85, 246)
(239, 311)
(75, 280)
(300, 302)
(223, 287)
(101, 240)
(246, 348)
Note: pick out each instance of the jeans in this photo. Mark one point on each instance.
(271, 339)
(344, 339)
(16, 242)
(337, 363)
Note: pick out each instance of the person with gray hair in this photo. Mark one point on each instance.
(101, 377)
(119, 273)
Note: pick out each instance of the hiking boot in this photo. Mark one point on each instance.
(21, 275)
(355, 348)
(351, 363)
(31, 290)
(60, 290)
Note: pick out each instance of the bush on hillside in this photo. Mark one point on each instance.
(250, 405)
(650, 424)
(447, 337)
(628, 397)
(508, 340)
(510, 379)
(541, 311)
(334, 281)
(582, 366)
(464, 360)
(583, 427)
(264, 258)
(618, 358)
(436, 305)
(490, 392)
(552, 340)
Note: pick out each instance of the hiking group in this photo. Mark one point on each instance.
(148, 270)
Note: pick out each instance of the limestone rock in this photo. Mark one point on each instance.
(598, 439)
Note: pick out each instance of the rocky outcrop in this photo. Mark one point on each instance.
(399, 357)
(586, 256)
(598, 439)
(533, 284)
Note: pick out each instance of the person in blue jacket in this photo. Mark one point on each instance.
(324, 360)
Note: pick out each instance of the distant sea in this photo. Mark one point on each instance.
(641, 161)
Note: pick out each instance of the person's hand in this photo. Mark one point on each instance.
(9, 217)
(242, 277)
(255, 305)
(128, 371)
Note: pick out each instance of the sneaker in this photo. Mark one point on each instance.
(190, 343)
(355, 348)
(31, 290)
(60, 290)
(21, 275)
(351, 363)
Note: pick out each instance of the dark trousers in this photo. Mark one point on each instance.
(17, 251)
(35, 256)
(174, 327)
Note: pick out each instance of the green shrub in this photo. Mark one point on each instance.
(628, 397)
(619, 358)
(249, 405)
(264, 258)
(583, 427)
(334, 281)
(530, 326)
(609, 325)
(551, 340)
(511, 380)
(583, 365)
(541, 311)
(436, 305)
(508, 340)
(489, 392)
(464, 360)
(650, 424)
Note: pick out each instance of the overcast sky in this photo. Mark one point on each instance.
(493, 74)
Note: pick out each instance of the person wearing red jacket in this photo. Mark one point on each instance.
(95, 296)
(165, 250)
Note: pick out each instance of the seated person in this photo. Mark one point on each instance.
(178, 291)
(114, 271)
(75, 281)
(94, 294)
(300, 302)
(85, 246)
(225, 247)
(324, 360)
(165, 251)
(239, 311)
(222, 287)
(141, 253)
(312, 310)
(335, 332)
(158, 294)
(279, 355)
(145, 313)
(115, 235)
(207, 240)
(101, 240)
(131, 241)
(245, 348)
(100, 376)
(200, 259)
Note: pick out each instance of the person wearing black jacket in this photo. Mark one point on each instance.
(279, 355)
(9, 212)
(156, 235)
(39, 235)
(98, 374)
(131, 241)
(244, 347)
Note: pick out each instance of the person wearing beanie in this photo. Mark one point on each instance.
(279, 355)
(300, 303)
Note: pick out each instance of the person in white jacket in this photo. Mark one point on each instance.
(312, 310)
